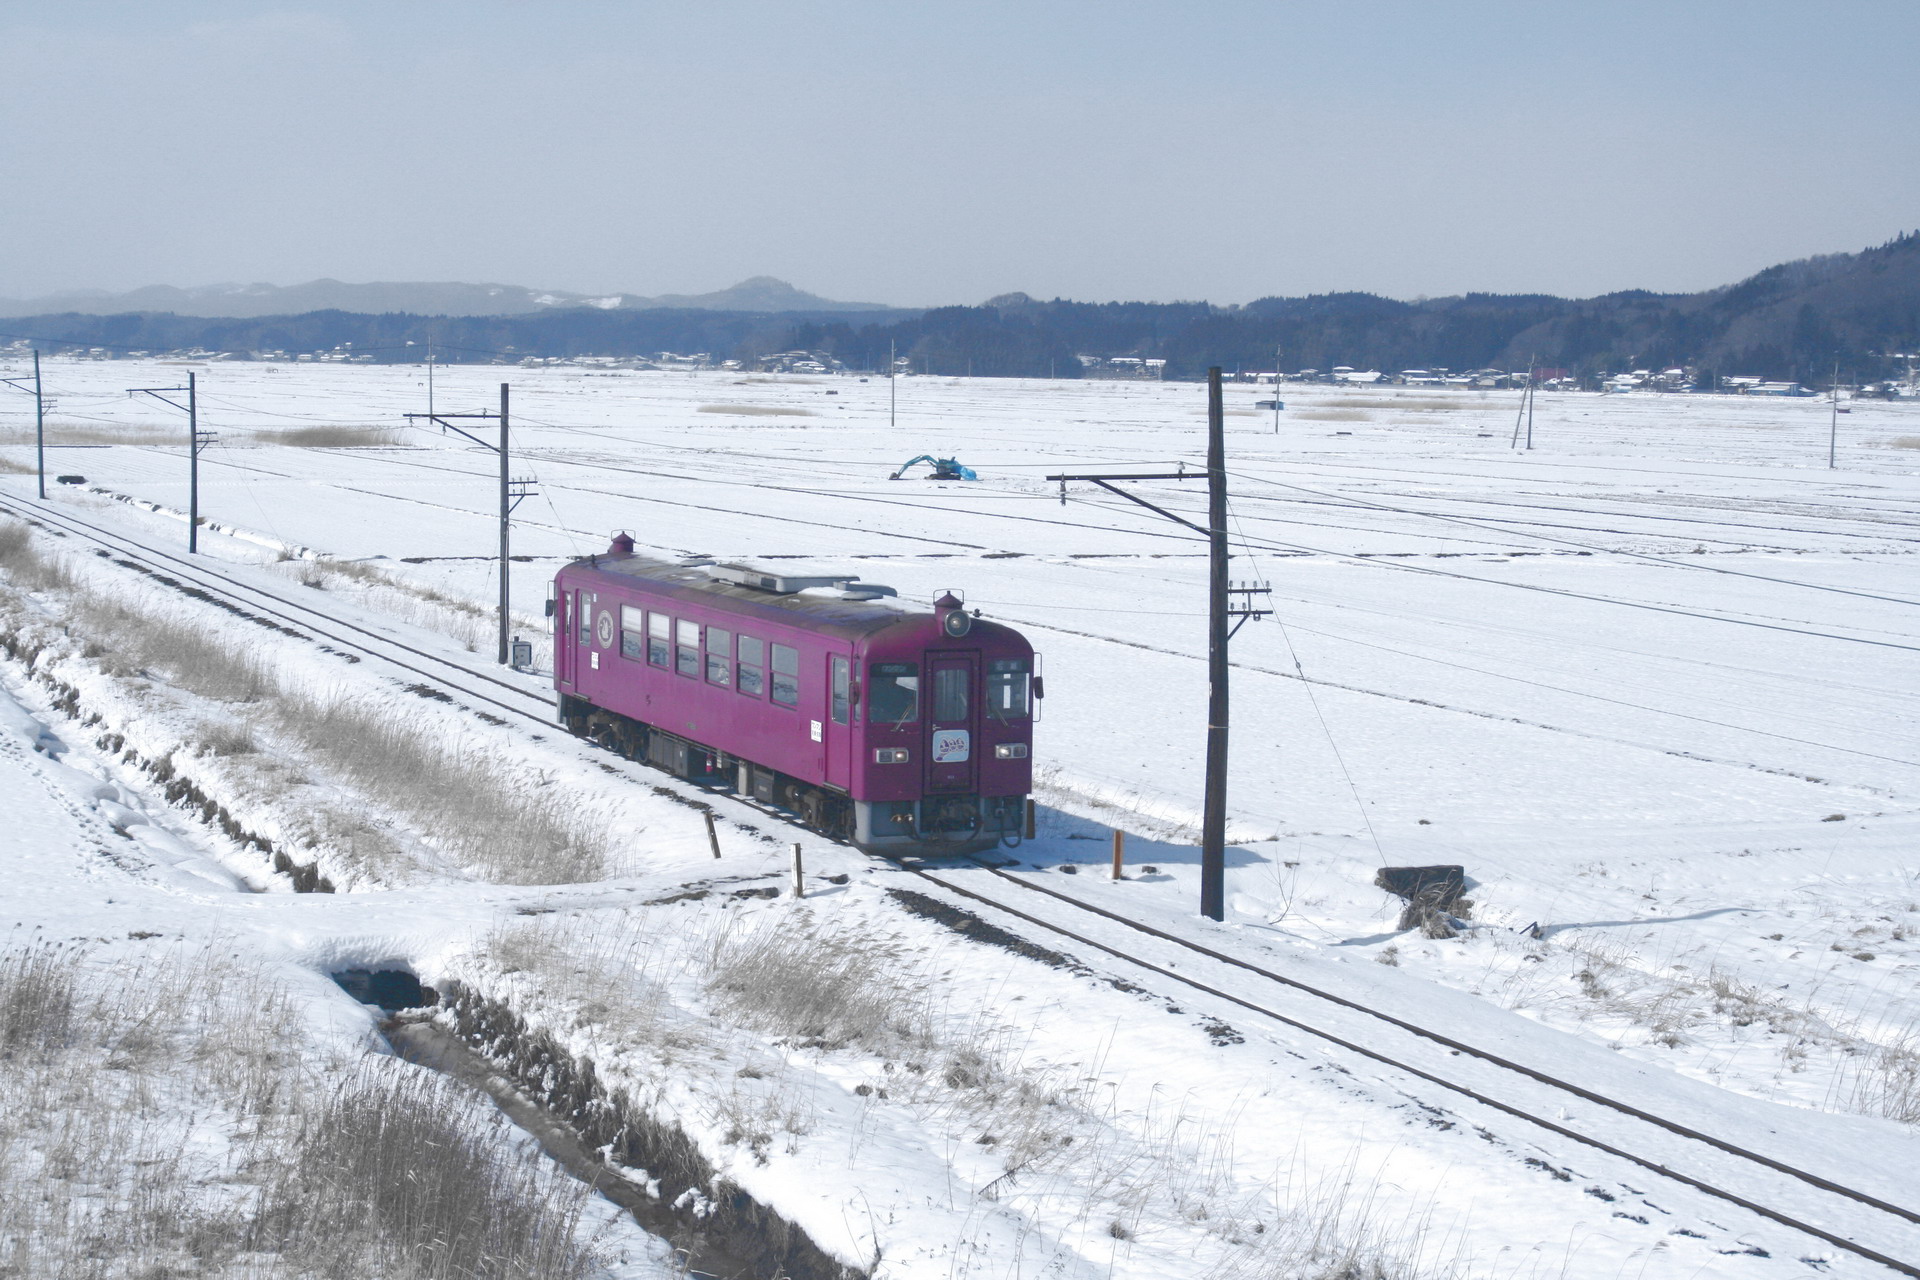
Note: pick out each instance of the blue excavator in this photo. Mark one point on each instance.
(943, 468)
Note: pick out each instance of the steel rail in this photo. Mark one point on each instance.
(220, 584)
(1851, 1246)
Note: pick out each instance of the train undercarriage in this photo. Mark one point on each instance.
(932, 825)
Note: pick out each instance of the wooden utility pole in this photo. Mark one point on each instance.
(1220, 610)
(1213, 826)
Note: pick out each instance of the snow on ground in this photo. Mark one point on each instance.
(1651, 683)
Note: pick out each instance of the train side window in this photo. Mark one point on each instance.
(686, 647)
(950, 695)
(786, 676)
(750, 674)
(659, 639)
(840, 705)
(633, 633)
(1009, 692)
(893, 693)
(583, 611)
(719, 656)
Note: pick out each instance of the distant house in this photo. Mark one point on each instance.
(1122, 368)
(1349, 375)
(1778, 389)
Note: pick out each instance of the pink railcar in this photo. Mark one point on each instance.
(903, 732)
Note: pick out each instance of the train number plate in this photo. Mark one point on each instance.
(952, 746)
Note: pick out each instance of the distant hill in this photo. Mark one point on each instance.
(1792, 321)
(247, 301)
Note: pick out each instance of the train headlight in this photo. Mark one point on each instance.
(890, 755)
(1010, 751)
(957, 623)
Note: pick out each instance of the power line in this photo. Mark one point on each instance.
(1570, 542)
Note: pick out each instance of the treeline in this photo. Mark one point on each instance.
(1793, 321)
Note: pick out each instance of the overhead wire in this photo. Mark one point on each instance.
(1313, 701)
(1493, 527)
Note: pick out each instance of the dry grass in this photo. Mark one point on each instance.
(475, 811)
(1388, 400)
(159, 1118)
(462, 620)
(1904, 442)
(24, 564)
(465, 802)
(819, 984)
(1332, 415)
(757, 410)
(9, 467)
(330, 437)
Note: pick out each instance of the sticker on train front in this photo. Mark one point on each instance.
(952, 746)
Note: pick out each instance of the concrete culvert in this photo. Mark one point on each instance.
(391, 989)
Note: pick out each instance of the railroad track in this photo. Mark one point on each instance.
(1674, 1151)
(1866, 1226)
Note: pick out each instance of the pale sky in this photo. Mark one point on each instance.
(920, 154)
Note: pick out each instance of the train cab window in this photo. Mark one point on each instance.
(633, 633)
(1009, 692)
(893, 693)
(719, 656)
(786, 676)
(686, 655)
(840, 704)
(659, 639)
(751, 673)
(950, 695)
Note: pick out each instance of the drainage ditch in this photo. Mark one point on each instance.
(595, 1135)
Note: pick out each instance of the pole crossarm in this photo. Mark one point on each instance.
(520, 489)
(19, 384)
(443, 419)
(155, 393)
(1105, 483)
(1243, 609)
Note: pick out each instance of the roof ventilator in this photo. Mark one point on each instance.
(786, 584)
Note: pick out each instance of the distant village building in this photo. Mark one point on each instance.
(1122, 368)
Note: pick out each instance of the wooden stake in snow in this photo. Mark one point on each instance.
(1119, 850)
(1032, 810)
(799, 883)
(713, 837)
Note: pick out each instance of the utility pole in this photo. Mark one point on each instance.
(513, 491)
(1833, 418)
(1276, 390)
(1221, 607)
(196, 441)
(39, 420)
(893, 390)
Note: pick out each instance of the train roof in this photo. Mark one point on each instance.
(817, 610)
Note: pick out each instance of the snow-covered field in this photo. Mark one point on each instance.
(1652, 683)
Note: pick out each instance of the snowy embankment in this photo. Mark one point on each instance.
(1633, 767)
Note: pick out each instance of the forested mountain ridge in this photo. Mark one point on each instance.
(1792, 321)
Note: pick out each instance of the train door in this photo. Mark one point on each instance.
(566, 608)
(839, 726)
(953, 722)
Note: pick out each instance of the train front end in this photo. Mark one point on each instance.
(945, 751)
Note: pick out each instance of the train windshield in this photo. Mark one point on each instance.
(1008, 688)
(893, 693)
